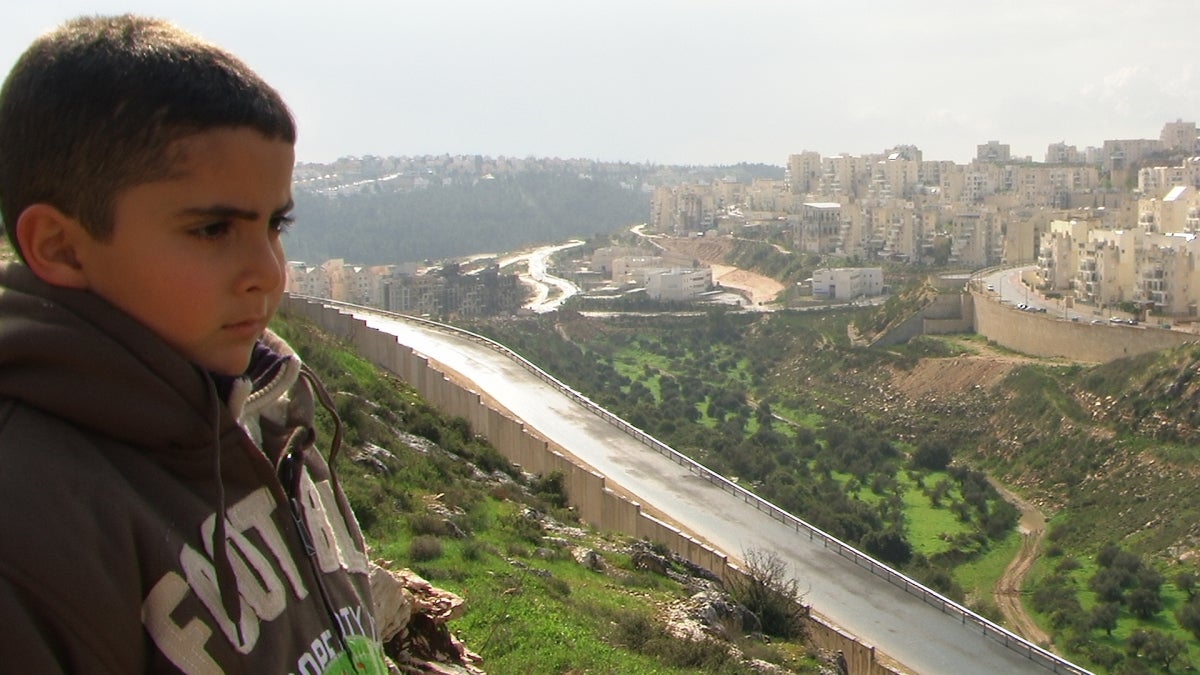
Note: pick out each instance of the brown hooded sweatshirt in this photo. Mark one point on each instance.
(117, 457)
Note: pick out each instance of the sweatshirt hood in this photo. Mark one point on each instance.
(74, 355)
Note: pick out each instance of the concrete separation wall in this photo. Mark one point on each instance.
(605, 509)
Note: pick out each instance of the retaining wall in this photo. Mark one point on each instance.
(1043, 334)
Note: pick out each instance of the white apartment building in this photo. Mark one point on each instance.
(678, 284)
(847, 283)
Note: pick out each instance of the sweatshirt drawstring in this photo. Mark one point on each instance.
(292, 463)
(226, 579)
(335, 444)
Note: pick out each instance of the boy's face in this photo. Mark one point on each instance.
(196, 256)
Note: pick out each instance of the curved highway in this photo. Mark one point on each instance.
(881, 614)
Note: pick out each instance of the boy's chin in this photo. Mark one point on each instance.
(233, 366)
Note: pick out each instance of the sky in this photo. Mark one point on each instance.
(694, 81)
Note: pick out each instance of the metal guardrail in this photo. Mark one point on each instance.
(988, 628)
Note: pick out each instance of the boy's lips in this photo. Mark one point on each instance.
(247, 327)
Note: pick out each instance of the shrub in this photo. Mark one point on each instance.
(425, 548)
(551, 488)
(473, 549)
(766, 589)
(427, 523)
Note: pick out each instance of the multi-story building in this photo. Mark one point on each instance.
(819, 227)
(1059, 251)
(844, 175)
(1175, 212)
(895, 176)
(1166, 274)
(770, 196)
(1061, 153)
(1108, 267)
(804, 172)
(993, 151)
(1179, 137)
(683, 209)
(1120, 155)
(1152, 179)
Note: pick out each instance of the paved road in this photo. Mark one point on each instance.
(916, 634)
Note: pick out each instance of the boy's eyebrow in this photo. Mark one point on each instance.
(233, 212)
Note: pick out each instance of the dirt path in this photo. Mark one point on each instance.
(982, 368)
(1008, 588)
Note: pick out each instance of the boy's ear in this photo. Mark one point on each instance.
(48, 238)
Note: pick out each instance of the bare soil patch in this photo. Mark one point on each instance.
(981, 369)
(951, 376)
(760, 289)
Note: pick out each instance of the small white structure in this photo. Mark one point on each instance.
(847, 283)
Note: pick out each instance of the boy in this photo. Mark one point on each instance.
(162, 505)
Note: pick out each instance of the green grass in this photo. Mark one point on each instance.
(979, 576)
(533, 609)
(930, 527)
(805, 419)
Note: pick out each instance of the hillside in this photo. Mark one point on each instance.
(885, 449)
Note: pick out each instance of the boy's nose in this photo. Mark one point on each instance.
(263, 266)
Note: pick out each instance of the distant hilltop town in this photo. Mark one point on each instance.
(1114, 224)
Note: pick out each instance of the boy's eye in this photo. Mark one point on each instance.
(281, 224)
(212, 230)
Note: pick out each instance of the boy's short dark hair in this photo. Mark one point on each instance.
(93, 108)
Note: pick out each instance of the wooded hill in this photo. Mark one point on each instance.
(375, 227)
